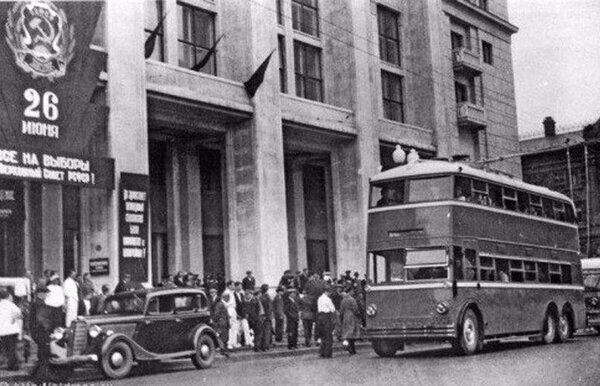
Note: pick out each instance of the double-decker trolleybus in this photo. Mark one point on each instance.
(467, 256)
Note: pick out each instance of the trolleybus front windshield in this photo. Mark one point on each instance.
(409, 191)
(408, 265)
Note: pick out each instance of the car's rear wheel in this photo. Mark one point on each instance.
(387, 347)
(117, 361)
(205, 353)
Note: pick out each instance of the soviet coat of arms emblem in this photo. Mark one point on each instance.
(41, 38)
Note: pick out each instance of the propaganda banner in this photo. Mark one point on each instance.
(49, 74)
(133, 225)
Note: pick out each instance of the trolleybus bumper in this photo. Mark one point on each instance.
(410, 333)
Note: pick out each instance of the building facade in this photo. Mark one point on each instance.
(569, 163)
(278, 180)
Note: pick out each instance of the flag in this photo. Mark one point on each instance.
(151, 41)
(257, 78)
(207, 56)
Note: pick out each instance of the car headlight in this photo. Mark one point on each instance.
(441, 308)
(94, 331)
(371, 310)
(594, 301)
(58, 333)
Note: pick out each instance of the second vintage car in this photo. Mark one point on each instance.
(138, 327)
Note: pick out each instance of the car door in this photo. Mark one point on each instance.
(189, 310)
(156, 330)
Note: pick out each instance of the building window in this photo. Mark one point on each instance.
(196, 36)
(393, 104)
(153, 13)
(389, 35)
(488, 53)
(461, 92)
(305, 16)
(279, 7)
(307, 63)
(457, 40)
(282, 64)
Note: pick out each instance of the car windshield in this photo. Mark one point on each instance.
(125, 304)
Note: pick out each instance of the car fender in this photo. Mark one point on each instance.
(114, 338)
(206, 329)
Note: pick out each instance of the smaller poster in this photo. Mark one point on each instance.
(133, 226)
(99, 266)
(11, 200)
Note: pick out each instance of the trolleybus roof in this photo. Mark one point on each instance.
(421, 168)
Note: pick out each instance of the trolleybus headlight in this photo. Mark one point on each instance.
(94, 331)
(371, 310)
(441, 308)
(58, 333)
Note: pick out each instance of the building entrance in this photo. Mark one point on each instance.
(310, 213)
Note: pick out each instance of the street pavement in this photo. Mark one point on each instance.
(576, 362)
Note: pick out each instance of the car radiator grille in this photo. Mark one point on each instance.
(79, 340)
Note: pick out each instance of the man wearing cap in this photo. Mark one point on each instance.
(248, 283)
(9, 329)
(71, 290)
(325, 323)
(125, 284)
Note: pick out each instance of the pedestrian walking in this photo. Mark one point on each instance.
(71, 290)
(350, 319)
(291, 309)
(221, 321)
(325, 323)
(278, 314)
(10, 328)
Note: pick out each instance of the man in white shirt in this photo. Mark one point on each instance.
(325, 323)
(234, 323)
(9, 329)
(71, 290)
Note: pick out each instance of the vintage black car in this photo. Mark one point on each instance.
(138, 327)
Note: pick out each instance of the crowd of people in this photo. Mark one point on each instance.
(243, 313)
(247, 315)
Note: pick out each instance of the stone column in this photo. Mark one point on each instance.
(257, 196)
(52, 228)
(126, 97)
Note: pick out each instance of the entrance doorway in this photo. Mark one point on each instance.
(310, 212)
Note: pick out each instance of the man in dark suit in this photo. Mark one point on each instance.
(248, 283)
(291, 309)
(220, 319)
(262, 334)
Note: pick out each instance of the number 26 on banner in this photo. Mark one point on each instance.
(48, 102)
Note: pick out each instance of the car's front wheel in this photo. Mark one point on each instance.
(117, 361)
(204, 356)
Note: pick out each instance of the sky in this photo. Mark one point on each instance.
(556, 59)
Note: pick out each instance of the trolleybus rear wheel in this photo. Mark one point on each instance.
(564, 328)
(469, 339)
(549, 334)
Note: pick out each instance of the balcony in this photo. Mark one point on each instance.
(471, 116)
(466, 62)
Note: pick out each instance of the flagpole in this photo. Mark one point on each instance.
(587, 200)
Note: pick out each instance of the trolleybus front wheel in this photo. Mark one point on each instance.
(469, 338)
(564, 328)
